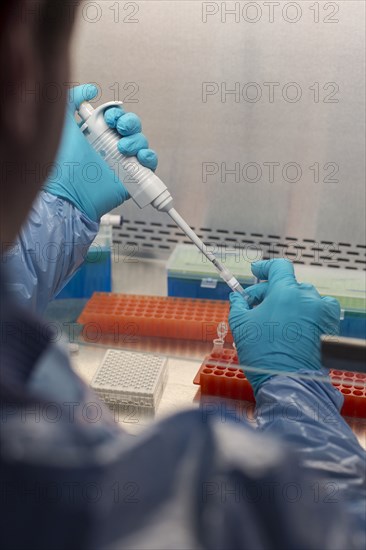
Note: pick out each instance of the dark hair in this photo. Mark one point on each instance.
(52, 18)
(55, 18)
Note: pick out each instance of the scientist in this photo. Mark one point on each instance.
(195, 480)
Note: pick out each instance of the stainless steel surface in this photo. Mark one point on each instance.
(157, 57)
(139, 238)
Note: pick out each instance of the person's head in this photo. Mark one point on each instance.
(34, 76)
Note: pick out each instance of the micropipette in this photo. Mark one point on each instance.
(143, 185)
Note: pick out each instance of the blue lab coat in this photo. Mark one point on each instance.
(292, 479)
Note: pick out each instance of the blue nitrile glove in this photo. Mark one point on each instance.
(281, 334)
(80, 175)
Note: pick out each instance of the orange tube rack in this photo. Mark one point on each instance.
(160, 316)
(220, 375)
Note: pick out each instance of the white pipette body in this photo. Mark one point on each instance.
(143, 185)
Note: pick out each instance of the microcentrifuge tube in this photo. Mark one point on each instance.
(222, 330)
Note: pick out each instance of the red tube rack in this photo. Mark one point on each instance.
(352, 386)
(167, 317)
(219, 375)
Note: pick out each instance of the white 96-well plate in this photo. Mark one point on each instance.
(130, 378)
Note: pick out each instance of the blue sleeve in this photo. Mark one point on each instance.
(51, 246)
(305, 413)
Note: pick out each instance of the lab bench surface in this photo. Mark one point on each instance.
(178, 395)
(137, 276)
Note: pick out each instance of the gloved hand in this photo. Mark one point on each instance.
(281, 334)
(81, 176)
